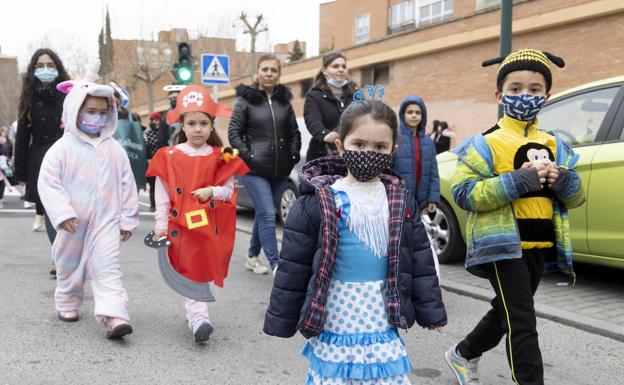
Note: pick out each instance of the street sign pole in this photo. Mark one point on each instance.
(215, 92)
(505, 35)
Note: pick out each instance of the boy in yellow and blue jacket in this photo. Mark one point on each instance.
(517, 183)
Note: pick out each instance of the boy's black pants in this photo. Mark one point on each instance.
(512, 316)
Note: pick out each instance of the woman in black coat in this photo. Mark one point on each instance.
(264, 129)
(39, 125)
(329, 96)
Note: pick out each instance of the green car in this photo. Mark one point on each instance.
(591, 119)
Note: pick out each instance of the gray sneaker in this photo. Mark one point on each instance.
(202, 331)
(464, 370)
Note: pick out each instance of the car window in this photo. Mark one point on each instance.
(577, 119)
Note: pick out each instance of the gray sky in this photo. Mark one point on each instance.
(71, 27)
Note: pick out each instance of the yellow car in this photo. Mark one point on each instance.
(591, 119)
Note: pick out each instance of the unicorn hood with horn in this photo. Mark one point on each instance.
(77, 92)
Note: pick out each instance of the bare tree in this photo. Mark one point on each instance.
(72, 53)
(253, 31)
(140, 61)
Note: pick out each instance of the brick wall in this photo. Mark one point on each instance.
(452, 82)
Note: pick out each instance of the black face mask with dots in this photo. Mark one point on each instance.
(172, 103)
(366, 165)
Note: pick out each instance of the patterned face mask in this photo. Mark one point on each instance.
(523, 107)
(366, 165)
(91, 123)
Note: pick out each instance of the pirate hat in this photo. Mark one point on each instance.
(195, 98)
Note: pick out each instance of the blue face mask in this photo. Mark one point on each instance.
(92, 124)
(523, 107)
(336, 83)
(46, 75)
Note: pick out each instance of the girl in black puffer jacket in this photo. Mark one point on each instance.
(264, 129)
(356, 262)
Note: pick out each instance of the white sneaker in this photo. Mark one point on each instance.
(27, 205)
(39, 222)
(254, 264)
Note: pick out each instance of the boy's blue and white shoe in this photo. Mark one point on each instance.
(202, 331)
(465, 371)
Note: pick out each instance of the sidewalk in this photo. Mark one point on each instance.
(592, 305)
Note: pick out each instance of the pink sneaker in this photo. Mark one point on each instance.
(116, 327)
(69, 316)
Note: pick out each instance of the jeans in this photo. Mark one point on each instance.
(50, 230)
(265, 194)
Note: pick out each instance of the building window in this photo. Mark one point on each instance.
(362, 28)
(305, 85)
(376, 74)
(402, 15)
(484, 4)
(141, 55)
(431, 11)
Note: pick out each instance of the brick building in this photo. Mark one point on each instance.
(153, 60)
(434, 48)
(9, 89)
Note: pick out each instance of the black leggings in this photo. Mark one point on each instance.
(512, 315)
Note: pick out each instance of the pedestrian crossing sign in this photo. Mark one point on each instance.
(215, 69)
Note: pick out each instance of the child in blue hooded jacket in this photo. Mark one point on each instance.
(415, 159)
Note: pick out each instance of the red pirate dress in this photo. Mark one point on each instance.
(201, 234)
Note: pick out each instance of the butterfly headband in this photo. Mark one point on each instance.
(368, 92)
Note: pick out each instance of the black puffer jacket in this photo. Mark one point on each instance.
(35, 135)
(306, 261)
(322, 111)
(265, 131)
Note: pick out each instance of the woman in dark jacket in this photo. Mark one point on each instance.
(441, 136)
(39, 125)
(329, 96)
(264, 129)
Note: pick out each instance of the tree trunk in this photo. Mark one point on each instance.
(150, 95)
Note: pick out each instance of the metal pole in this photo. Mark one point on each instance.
(505, 35)
(215, 92)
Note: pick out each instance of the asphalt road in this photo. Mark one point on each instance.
(36, 348)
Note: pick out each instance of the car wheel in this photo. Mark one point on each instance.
(289, 196)
(444, 233)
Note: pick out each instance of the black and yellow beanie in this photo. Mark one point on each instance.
(525, 59)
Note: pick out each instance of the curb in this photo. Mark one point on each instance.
(548, 312)
(552, 313)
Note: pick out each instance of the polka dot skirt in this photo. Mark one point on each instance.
(357, 345)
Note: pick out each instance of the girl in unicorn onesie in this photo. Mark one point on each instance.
(87, 187)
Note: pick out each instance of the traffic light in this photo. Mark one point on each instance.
(183, 69)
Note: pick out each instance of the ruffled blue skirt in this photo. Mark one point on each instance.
(357, 345)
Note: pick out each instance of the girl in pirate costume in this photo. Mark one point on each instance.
(196, 200)
(355, 262)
